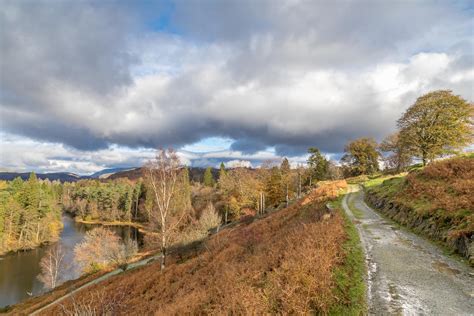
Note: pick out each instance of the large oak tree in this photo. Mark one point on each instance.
(438, 123)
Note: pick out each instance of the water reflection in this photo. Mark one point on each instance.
(19, 271)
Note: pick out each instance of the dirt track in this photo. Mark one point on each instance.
(408, 275)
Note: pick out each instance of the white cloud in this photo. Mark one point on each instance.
(286, 75)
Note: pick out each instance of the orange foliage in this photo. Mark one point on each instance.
(446, 185)
(281, 264)
(325, 190)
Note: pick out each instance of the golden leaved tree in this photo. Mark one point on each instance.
(438, 123)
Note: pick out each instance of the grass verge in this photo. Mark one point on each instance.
(350, 276)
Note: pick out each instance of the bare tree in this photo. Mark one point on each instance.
(161, 175)
(209, 219)
(94, 303)
(98, 249)
(124, 253)
(52, 266)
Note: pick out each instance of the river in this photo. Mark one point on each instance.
(19, 270)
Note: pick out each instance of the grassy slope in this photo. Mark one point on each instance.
(436, 201)
(293, 261)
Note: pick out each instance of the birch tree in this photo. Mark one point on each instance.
(52, 267)
(161, 174)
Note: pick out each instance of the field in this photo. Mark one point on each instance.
(297, 260)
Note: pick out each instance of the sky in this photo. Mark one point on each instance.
(88, 85)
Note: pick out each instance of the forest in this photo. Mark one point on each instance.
(30, 213)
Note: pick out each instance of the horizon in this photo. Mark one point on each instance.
(89, 85)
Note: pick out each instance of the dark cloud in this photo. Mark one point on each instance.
(285, 74)
(248, 145)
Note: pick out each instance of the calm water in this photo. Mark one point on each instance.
(19, 271)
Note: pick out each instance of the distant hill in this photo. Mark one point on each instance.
(195, 174)
(61, 176)
(106, 173)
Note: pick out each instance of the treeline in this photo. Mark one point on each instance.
(106, 201)
(272, 185)
(437, 124)
(30, 213)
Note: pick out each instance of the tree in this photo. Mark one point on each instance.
(400, 158)
(274, 189)
(334, 171)
(98, 249)
(222, 171)
(161, 175)
(361, 156)
(125, 251)
(209, 219)
(318, 165)
(52, 266)
(438, 123)
(240, 188)
(286, 178)
(208, 178)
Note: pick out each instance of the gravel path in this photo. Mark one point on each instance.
(408, 275)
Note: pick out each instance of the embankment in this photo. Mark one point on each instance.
(436, 202)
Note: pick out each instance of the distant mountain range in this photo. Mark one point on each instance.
(103, 174)
(195, 174)
(63, 176)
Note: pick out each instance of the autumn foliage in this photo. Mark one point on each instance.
(282, 263)
(437, 200)
(447, 185)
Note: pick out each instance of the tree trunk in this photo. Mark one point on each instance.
(163, 245)
(37, 232)
(163, 258)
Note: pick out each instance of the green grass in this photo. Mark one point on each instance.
(380, 180)
(357, 213)
(350, 276)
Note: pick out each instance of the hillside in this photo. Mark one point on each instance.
(61, 176)
(297, 260)
(436, 201)
(196, 174)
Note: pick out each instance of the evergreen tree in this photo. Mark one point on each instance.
(274, 190)
(222, 171)
(208, 178)
(285, 166)
(318, 164)
(184, 194)
(286, 178)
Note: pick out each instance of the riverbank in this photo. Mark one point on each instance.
(141, 228)
(53, 237)
(31, 305)
(106, 223)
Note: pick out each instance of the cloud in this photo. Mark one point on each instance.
(94, 77)
(54, 157)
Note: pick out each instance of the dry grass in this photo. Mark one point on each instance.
(448, 185)
(442, 195)
(283, 264)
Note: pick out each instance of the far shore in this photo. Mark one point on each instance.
(141, 228)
